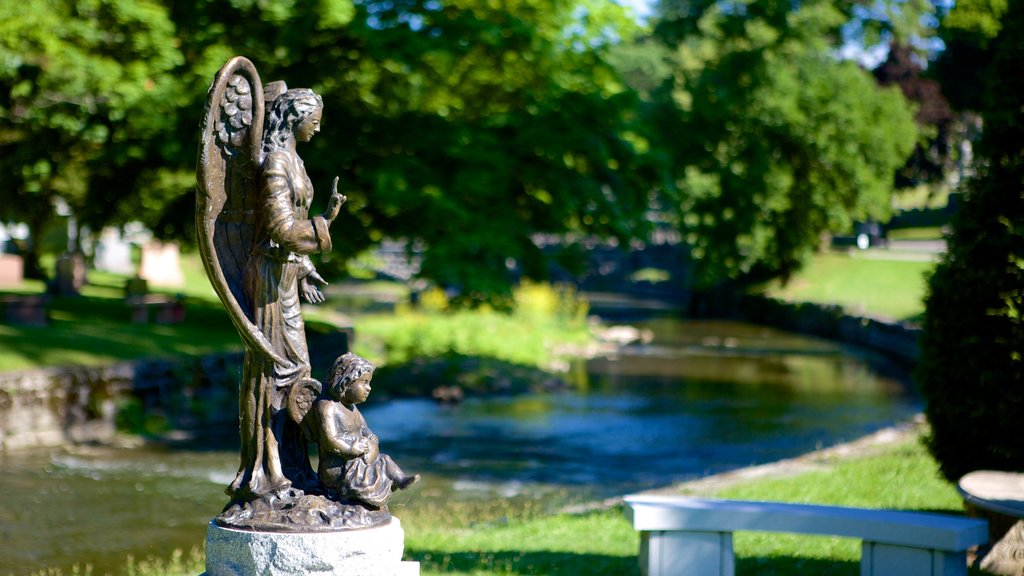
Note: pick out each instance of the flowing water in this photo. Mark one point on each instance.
(698, 398)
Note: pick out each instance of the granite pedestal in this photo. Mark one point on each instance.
(365, 552)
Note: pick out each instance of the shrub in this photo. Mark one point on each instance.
(971, 370)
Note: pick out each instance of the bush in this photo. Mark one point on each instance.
(971, 370)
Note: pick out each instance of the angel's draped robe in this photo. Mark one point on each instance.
(273, 453)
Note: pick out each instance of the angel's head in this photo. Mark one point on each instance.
(349, 379)
(294, 114)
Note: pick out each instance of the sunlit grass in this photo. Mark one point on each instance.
(511, 537)
(923, 233)
(546, 324)
(874, 287)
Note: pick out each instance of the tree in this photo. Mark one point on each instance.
(968, 31)
(773, 141)
(83, 85)
(972, 348)
(932, 157)
(466, 126)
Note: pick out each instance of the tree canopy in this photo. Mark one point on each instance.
(774, 141)
(85, 89)
(471, 126)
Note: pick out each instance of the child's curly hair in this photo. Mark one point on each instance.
(347, 369)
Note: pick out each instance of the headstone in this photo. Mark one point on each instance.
(161, 265)
(12, 270)
(70, 274)
(113, 253)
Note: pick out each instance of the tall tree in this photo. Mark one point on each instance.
(82, 85)
(467, 126)
(968, 31)
(774, 141)
(933, 155)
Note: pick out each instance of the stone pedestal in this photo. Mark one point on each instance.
(365, 552)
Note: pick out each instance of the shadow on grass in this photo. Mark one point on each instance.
(93, 330)
(547, 562)
(790, 565)
(558, 563)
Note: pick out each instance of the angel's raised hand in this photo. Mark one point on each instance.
(334, 203)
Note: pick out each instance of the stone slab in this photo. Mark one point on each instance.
(994, 490)
(366, 552)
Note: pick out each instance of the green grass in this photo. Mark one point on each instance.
(923, 233)
(903, 477)
(546, 325)
(874, 287)
(95, 328)
(502, 538)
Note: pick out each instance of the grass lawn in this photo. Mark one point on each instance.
(901, 476)
(499, 539)
(864, 286)
(95, 328)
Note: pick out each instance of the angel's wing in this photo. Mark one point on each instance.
(301, 398)
(227, 190)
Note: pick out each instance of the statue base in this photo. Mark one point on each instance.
(365, 552)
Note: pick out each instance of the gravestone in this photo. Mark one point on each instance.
(161, 265)
(113, 253)
(255, 235)
(12, 270)
(70, 275)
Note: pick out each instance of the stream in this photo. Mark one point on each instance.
(696, 398)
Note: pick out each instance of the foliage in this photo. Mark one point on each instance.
(179, 564)
(972, 363)
(85, 88)
(470, 126)
(541, 330)
(967, 31)
(772, 140)
(499, 120)
(933, 155)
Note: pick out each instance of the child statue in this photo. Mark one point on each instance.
(351, 465)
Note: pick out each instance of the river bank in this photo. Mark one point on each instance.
(888, 469)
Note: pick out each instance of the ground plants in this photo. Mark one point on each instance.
(494, 539)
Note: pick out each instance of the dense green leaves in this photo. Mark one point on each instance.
(972, 364)
(84, 90)
(471, 126)
(774, 141)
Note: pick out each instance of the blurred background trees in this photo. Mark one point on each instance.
(470, 128)
(87, 96)
(772, 140)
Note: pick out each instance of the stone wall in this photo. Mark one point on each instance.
(54, 406)
(896, 340)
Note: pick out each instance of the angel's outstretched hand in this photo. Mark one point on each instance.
(310, 291)
(334, 203)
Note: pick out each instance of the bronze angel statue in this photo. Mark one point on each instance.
(256, 236)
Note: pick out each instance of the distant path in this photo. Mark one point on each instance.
(919, 250)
